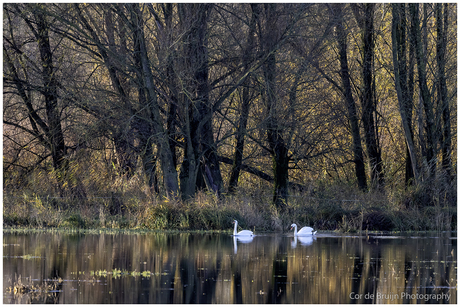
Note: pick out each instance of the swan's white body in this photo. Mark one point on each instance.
(242, 232)
(305, 231)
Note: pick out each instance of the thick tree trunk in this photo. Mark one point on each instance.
(200, 168)
(281, 174)
(50, 86)
(368, 100)
(351, 106)
(167, 54)
(143, 119)
(209, 166)
(275, 140)
(189, 166)
(125, 156)
(405, 80)
(56, 136)
(48, 129)
(123, 140)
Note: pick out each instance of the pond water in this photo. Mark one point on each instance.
(124, 267)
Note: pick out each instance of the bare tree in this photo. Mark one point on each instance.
(43, 117)
(442, 17)
(364, 14)
(341, 37)
(416, 38)
(248, 54)
(402, 82)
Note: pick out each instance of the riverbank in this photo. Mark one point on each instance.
(338, 209)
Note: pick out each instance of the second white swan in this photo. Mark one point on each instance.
(242, 232)
(305, 231)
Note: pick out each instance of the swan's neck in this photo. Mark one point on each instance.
(295, 230)
(236, 226)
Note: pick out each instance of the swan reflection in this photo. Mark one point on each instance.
(305, 241)
(237, 239)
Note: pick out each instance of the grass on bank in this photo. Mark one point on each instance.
(97, 196)
(338, 208)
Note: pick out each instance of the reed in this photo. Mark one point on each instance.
(26, 291)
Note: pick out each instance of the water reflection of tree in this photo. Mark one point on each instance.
(278, 290)
(187, 268)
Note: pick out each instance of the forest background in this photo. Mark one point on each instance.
(187, 116)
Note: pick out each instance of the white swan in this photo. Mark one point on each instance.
(305, 231)
(242, 232)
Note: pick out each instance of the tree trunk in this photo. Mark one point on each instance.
(161, 137)
(189, 166)
(209, 165)
(200, 168)
(368, 99)
(424, 90)
(50, 85)
(409, 176)
(143, 118)
(400, 70)
(351, 106)
(275, 140)
(123, 138)
(125, 156)
(167, 54)
(245, 100)
(51, 135)
(58, 149)
(441, 44)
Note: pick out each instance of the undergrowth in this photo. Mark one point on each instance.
(130, 204)
(207, 212)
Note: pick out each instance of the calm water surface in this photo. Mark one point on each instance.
(60, 267)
